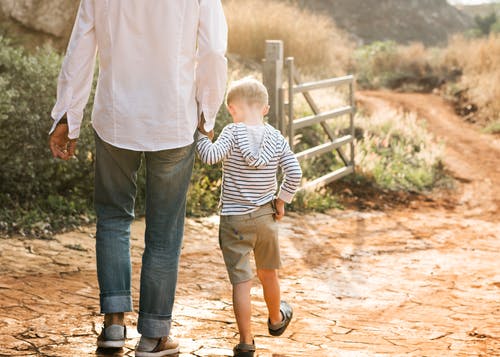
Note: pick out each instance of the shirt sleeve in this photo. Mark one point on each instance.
(211, 72)
(211, 153)
(75, 79)
(292, 174)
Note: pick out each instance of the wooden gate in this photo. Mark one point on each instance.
(282, 114)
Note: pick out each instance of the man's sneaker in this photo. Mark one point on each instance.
(112, 336)
(166, 346)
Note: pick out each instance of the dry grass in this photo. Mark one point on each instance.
(387, 64)
(479, 60)
(316, 43)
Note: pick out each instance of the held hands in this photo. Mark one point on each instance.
(201, 128)
(61, 146)
(280, 209)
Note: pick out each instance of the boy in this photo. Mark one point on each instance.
(251, 152)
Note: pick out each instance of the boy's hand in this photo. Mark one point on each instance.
(201, 128)
(280, 209)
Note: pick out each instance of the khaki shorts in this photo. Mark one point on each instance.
(239, 235)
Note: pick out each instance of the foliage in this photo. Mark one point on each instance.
(40, 195)
(318, 201)
(488, 23)
(398, 152)
(32, 184)
(388, 65)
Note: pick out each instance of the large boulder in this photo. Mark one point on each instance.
(47, 19)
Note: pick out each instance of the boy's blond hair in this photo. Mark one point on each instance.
(249, 89)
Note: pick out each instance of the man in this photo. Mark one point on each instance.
(162, 70)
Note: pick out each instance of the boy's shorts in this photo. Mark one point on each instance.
(239, 235)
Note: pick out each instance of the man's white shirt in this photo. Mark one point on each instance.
(161, 65)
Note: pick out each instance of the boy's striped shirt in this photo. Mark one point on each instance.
(250, 181)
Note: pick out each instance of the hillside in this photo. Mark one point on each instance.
(480, 10)
(427, 21)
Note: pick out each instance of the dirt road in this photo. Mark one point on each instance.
(418, 280)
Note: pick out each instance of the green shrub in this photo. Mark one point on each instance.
(40, 195)
(398, 153)
(486, 23)
(492, 128)
(37, 193)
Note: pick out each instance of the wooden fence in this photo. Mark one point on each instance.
(282, 114)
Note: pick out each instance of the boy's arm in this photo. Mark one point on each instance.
(211, 153)
(292, 174)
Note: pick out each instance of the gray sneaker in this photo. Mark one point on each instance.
(112, 336)
(166, 346)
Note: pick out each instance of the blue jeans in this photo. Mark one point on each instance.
(168, 174)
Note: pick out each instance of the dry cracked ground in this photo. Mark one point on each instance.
(421, 279)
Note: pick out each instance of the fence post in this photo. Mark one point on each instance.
(351, 120)
(272, 77)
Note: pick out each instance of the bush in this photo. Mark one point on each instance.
(40, 195)
(398, 153)
(32, 184)
(388, 65)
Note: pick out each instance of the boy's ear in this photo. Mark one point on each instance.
(230, 109)
(265, 110)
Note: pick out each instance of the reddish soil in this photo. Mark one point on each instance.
(419, 277)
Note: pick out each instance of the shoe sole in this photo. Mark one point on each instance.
(110, 344)
(171, 351)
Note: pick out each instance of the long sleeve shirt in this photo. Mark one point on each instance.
(161, 65)
(249, 180)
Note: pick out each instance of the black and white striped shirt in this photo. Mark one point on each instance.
(249, 181)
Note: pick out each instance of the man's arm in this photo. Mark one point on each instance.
(211, 72)
(211, 153)
(75, 79)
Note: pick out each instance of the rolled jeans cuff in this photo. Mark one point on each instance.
(116, 302)
(153, 327)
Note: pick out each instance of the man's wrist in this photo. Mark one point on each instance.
(63, 120)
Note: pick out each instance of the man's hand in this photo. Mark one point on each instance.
(201, 128)
(280, 209)
(60, 145)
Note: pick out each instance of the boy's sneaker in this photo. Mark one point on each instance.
(112, 336)
(279, 329)
(166, 346)
(244, 350)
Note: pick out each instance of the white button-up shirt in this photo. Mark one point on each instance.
(161, 65)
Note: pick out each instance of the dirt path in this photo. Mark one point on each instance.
(421, 280)
(473, 158)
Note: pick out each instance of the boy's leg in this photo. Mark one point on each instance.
(271, 286)
(242, 307)
(236, 239)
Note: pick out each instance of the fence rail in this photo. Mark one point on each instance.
(282, 116)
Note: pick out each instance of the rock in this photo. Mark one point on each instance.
(52, 17)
